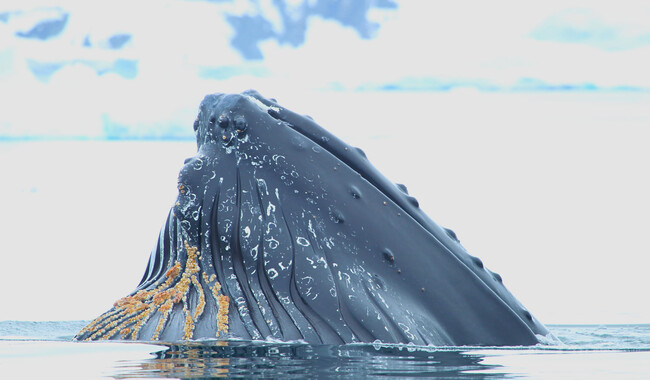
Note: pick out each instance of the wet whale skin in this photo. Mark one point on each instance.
(283, 231)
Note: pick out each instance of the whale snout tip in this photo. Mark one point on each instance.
(223, 119)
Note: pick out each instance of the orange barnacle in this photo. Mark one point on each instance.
(215, 291)
(191, 266)
(125, 332)
(106, 328)
(174, 271)
(135, 310)
(142, 295)
(140, 306)
(162, 296)
(123, 302)
(222, 314)
(188, 328)
(103, 320)
(144, 317)
(164, 309)
(216, 288)
(131, 313)
(118, 304)
(135, 307)
(130, 304)
(178, 296)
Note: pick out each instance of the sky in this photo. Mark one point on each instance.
(169, 63)
(520, 126)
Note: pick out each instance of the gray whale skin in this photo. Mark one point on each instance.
(283, 231)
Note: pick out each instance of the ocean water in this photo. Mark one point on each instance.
(36, 350)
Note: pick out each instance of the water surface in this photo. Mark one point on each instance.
(46, 349)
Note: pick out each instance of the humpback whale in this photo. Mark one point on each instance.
(282, 231)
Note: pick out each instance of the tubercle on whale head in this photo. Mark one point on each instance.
(222, 119)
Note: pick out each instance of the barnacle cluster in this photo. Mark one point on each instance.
(129, 314)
